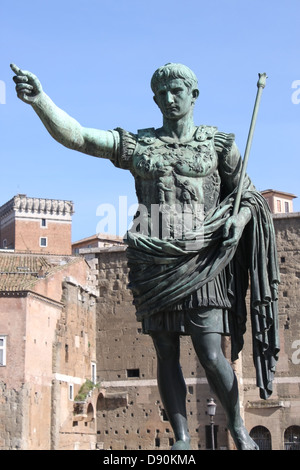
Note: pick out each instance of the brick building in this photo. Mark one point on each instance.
(36, 225)
(47, 330)
(47, 352)
(96, 241)
(279, 201)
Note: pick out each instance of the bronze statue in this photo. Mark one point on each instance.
(189, 263)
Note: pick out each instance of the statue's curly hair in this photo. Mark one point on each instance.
(173, 71)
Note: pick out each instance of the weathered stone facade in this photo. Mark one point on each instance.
(282, 410)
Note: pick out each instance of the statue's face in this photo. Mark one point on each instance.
(174, 99)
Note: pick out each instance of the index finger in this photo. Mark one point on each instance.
(16, 69)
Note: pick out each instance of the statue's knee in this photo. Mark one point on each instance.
(210, 360)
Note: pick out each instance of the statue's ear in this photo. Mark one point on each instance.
(195, 93)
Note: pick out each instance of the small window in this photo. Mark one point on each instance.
(133, 373)
(43, 223)
(286, 207)
(2, 351)
(66, 352)
(43, 241)
(278, 205)
(94, 372)
(71, 392)
(164, 415)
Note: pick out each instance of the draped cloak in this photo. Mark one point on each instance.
(164, 272)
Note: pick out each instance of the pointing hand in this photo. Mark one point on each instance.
(28, 86)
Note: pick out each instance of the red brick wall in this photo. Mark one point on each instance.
(28, 233)
(12, 324)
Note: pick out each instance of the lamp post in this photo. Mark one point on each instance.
(211, 411)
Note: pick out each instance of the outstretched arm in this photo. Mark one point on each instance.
(62, 127)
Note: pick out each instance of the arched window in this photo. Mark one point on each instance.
(261, 437)
(90, 412)
(292, 438)
(100, 402)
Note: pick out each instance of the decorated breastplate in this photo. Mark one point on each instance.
(171, 173)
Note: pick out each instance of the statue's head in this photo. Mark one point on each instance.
(175, 90)
(173, 71)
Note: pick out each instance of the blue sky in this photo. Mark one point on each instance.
(95, 60)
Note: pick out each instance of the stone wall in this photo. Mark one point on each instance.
(282, 410)
(73, 354)
(13, 417)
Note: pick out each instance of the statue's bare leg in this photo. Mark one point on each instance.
(172, 386)
(223, 382)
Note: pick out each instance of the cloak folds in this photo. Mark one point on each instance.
(163, 272)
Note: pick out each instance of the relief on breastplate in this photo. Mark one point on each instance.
(177, 173)
(187, 159)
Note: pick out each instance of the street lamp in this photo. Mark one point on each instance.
(211, 411)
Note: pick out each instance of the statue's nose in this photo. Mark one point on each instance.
(169, 97)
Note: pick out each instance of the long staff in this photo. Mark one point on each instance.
(260, 86)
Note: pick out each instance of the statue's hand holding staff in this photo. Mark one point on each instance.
(28, 86)
(235, 224)
(234, 227)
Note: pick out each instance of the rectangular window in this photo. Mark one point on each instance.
(94, 372)
(2, 351)
(43, 241)
(71, 392)
(43, 223)
(286, 207)
(278, 205)
(133, 373)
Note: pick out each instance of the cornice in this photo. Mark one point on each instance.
(21, 204)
